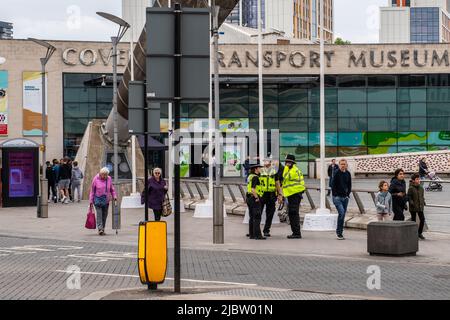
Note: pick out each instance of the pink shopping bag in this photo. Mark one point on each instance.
(90, 220)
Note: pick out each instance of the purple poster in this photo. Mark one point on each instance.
(21, 174)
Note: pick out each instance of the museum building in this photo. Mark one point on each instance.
(379, 98)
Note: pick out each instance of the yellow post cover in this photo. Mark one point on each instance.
(152, 252)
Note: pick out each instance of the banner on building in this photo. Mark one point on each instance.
(3, 103)
(32, 103)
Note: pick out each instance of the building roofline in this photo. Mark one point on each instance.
(61, 41)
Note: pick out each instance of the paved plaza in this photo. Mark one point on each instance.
(36, 256)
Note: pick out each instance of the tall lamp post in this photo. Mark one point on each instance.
(43, 203)
(123, 27)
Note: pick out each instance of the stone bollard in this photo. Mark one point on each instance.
(393, 238)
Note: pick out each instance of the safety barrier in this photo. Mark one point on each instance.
(197, 190)
(235, 192)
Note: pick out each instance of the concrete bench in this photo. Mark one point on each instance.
(393, 238)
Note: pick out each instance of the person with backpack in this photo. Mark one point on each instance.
(416, 199)
(77, 176)
(102, 192)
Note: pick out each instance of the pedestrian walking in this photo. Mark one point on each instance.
(293, 187)
(254, 194)
(157, 190)
(70, 164)
(423, 169)
(398, 191)
(102, 191)
(383, 201)
(332, 168)
(205, 166)
(270, 184)
(50, 176)
(246, 166)
(416, 199)
(77, 177)
(65, 174)
(341, 188)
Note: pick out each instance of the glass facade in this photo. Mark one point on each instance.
(250, 13)
(364, 114)
(425, 25)
(84, 99)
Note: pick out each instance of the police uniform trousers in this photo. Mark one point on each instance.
(269, 200)
(254, 210)
(293, 212)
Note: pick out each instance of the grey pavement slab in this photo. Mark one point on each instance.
(35, 269)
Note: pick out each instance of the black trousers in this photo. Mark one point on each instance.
(293, 212)
(421, 217)
(158, 214)
(254, 210)
(269, 200)
(52, 188)
(398, 207)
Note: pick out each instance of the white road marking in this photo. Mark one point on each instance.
(135, 276)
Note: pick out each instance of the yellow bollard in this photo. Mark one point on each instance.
(152, 252)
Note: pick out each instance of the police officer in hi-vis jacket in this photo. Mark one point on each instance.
(293, 187)
(254, 194)
(270, 182)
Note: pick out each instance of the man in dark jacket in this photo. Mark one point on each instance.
(416, 200)
(341, 187)
(50, 176)
(332, 168)
(398, 191)
(65, 174)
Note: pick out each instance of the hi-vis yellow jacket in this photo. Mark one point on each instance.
(267, 179)
(293, 181)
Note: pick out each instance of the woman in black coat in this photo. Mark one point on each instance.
(398, 191)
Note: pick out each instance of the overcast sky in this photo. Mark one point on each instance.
(355, 20)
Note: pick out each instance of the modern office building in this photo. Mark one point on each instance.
(415, 21)
(296, 18)
(6, 30)
(380, 99)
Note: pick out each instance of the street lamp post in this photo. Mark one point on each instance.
(43, 203)
(123, 27)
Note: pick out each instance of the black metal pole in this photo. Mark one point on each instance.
(177, 105)
(146, 160)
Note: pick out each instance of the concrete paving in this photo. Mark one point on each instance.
(315, 267)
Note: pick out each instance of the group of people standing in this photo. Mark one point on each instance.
(64, 180)
(265, 185)
(393, 199)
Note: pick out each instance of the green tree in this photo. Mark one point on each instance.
(341, 41)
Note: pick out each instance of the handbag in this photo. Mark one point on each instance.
(101, 201)
(166, 207)
(91, 222)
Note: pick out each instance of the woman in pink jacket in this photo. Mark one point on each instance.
(102, 190)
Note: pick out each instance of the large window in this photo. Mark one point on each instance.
(374, 114)
(84, 99)
(425, 25)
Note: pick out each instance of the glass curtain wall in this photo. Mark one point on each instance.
(365, 115)
(85, 98)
